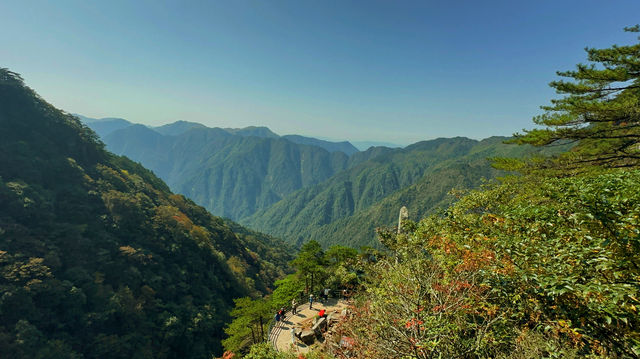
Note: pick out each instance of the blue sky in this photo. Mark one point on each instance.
(397, 71)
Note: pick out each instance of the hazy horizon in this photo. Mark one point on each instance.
(358, 71)
(357, 143)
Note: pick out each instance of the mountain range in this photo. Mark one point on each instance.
(300, 188)
(232, 172)
(347, 208)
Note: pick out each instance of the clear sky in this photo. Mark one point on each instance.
(397, 71)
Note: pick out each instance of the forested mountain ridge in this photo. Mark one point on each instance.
(97, 257)
(348, 207)
(344, 146)
(105, 126)
(231, 173)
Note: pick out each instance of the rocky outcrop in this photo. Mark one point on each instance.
(320, 326)
(308, 337)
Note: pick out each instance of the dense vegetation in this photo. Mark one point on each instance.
(344, 146)
(98, 259)
(532, 263)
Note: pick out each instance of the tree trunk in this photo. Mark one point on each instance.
(261, 329)
(253, 336)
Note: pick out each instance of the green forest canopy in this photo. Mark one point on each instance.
(98, 259)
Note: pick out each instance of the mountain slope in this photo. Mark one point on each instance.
(254, 173)
(343, 146)
(346, 208)
(429, 194)
(97, 258)
(231, 175)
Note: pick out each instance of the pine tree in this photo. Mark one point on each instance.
(599, 113)
(309, 264)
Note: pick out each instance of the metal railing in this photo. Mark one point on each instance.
(275, 328)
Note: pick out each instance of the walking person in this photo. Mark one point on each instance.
(326, 294)
(310, 301)
(294, 306)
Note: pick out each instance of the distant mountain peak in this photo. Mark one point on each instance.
(86, 119)
(177, 128)
(104, 126)
(256, 131)
(365, 145)
(344, 146)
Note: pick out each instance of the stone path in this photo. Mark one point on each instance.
(280, 335)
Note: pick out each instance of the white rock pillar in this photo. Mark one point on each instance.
(404, 214)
